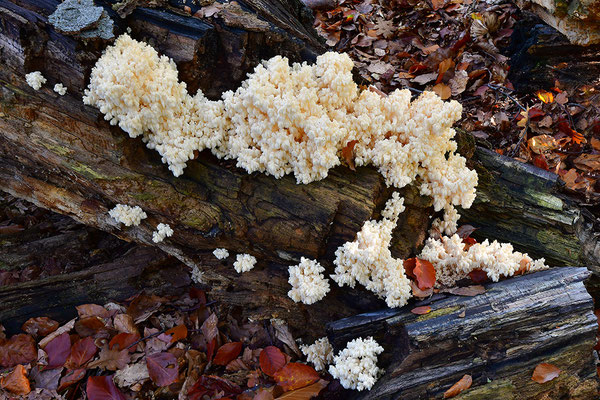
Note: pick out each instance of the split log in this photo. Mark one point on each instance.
(498, 338)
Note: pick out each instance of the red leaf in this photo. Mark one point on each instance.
(535, 112)
(295, 376)
(210, 349)
(103, 388)
(409, 267)
(425, 273)
(58, 350)
(211, 385)
(92, 310)
(19, 349)
(545, 372)
(540, 161)
(465, 382)
(271, 360)
(40, 326)
(177, 333)
(421, 310)
(227, 353)
(82, 351)
(478, 276)
(466, 36)
(123, 340)
(71, 377)
(16, 382)
(162, 368)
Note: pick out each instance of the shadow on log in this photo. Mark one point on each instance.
(497, 337)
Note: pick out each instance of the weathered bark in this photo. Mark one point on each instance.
(540, 55)
(578, 20)
(499, 339)
(142, 268)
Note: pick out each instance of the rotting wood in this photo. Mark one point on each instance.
(505, 332)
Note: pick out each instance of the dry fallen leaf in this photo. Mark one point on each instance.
(463, 384)
(16, 382)
(545, 372)
(443, 90)
(421, 310)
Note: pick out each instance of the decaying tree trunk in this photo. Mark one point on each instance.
(498, 338)
(62, 155)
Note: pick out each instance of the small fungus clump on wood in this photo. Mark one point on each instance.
(244, 263)
(35, 79)
(129, 216)
(307, 280)
(356, 365)
(162, 231)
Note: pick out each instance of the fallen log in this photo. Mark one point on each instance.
(497, 337)
(63, 156)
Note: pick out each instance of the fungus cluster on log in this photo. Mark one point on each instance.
(305, 120)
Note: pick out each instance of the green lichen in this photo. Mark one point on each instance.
(438, 313)
(87, 171)
(495, 390)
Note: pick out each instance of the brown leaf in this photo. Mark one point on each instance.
(123, 340)
(589, 162)
(464, 231)
(421, 310)
(562, 98)
(111, 359)
(227, 353)
(92, 310)
(209, 327)
(11, 229)
(306, 393)
(595, 144)
(282, 332)
(82, 351)
(124, 323)
(177, 333)
(89, 326)
(444, 66)
(463, 384)
(545, 372)
(19, 349)
(210, 385)
(347, 154)
(143, 306)
(40, 326)
(45, 379)
(542, 143)
(458, 83)
(71, 377)
(442, 90)
(478, 276)
(467, 291)
(16, 382)
(295, 376)
(162, 368)
(271, 360)
(425, 78)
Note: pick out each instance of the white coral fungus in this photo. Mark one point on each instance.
(244, 263)
(127, 215)
(356, 365)
(285, 119)
(320, 353)
(452, 262)
(162, 231)
(60, 89)
(221, 254)
(35, 79)
(368, 259)
(307, 280)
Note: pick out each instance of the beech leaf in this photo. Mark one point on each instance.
(40, 326)
(442, 90)
(463, 384)
(425, 273)
(19, 349)
(271, 360)
(82, 351)
(227, 353)
(103, 388)
(545, 372)
(305, 393)
(162, 368)
(111, 359)
(71, 377)
(16, 382)
(177, 333)
(421, 310)
(123, 340)
(58, 351)
(295, 376)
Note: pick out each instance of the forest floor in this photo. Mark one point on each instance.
(152, 346)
